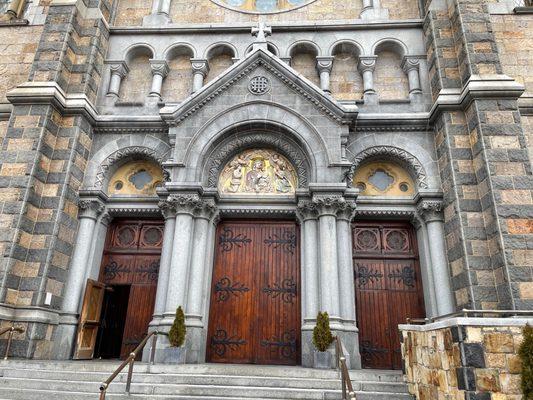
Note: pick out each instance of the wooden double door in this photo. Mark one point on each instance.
(388, 289)
(118, 308)
(255, 295)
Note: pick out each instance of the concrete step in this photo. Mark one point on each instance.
(28, 380)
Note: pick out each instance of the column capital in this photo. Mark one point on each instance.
(367, 63)
(167, 208)
(200, 66)
(324, 63)
(329, 204)
(106, 218)
(306, 210)
(184, 203)
(119, 68)
(410, 62)
(159, 67)
(346, 212)
(90, 208)
(430, 210)
(206, 209)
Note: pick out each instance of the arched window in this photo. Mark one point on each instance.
(136, 178)
(258, 171)
(383, 179)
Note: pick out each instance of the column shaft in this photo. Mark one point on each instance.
(329, 274)
(157, 84)
(177, 279)
(114, 84)
(197, 274)
(164, 266)
(346, 276)
(441, 276)
(310, 269)
(368, 81)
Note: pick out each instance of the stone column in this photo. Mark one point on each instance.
(366, 66)
(324, 65)
(344, 249)
(327, 207)
(159, 72)
(204, 215)
(308, 216)
(368, 4)
(431, 212)
(411, 66)
(89, 210)
(118, 71)
(169, 213)
(179, 264)
(200, 69)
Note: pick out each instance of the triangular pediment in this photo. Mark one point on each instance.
(277, 70)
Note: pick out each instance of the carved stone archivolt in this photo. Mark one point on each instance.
(139, 151)
(390, 153)
(289, 152)
(258, 171)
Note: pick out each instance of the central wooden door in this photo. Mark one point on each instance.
(255, 295)
(388, 289)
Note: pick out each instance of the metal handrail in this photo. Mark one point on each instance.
(131, 360)
(347, 387)
(464, 313)
(12, 329)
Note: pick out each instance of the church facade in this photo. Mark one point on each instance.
(257, 162)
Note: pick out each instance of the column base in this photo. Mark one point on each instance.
(372, 13)
(156, 20)
(65, 339)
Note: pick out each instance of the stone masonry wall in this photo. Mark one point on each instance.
(131, 12)
(19, 44)
(462, 362)
(514, 37)
(42, 163)
(484, 165)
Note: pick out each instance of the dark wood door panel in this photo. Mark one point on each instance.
(255, 304)
(388, 289)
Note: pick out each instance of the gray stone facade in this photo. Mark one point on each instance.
(457, 130)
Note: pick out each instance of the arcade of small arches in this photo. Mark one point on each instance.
(388, 72)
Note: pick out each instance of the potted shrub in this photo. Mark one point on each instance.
(526, 357)
(322, 339)
(176, 354)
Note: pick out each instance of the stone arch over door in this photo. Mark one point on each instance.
(394, 154)
(115, 153)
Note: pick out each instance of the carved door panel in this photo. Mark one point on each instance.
(388, 289)
(89, 320)
(255, 306)
(131, 257)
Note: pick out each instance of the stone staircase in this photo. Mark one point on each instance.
(68, 380)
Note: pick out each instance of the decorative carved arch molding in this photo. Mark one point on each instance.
(127, 153)
(407, 160)
(231, 146)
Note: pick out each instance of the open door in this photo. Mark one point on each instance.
(89, 320)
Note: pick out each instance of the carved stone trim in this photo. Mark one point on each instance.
(145, 152)
(430, 210)
(185, 203)
(167, 209)
(390, 152)
(307, 210)
(90, 208)
(384, 213)
(232, 146)
(329, 204)
(347, 211)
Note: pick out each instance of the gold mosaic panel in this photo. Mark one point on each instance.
(139, 178)
(383, 179)
(258, 171)
(263, 6)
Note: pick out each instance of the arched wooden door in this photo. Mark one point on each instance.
(388, 289)
(255, 297)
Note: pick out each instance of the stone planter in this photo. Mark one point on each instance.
(322, 360)
(171, 355)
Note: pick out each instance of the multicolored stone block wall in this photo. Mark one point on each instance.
(471, 362)
(42, 164)
(484, 164)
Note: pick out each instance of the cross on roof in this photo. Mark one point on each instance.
(261, 31)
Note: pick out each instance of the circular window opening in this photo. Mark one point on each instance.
(118, 185)
(361, 186)
(404, 187)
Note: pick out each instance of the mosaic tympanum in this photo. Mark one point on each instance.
(383, 179)
(136, 178)
(262, 6)
(258, 171)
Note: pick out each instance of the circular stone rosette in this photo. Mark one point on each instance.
(262, 6)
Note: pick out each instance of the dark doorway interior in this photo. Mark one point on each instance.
(114, 311)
